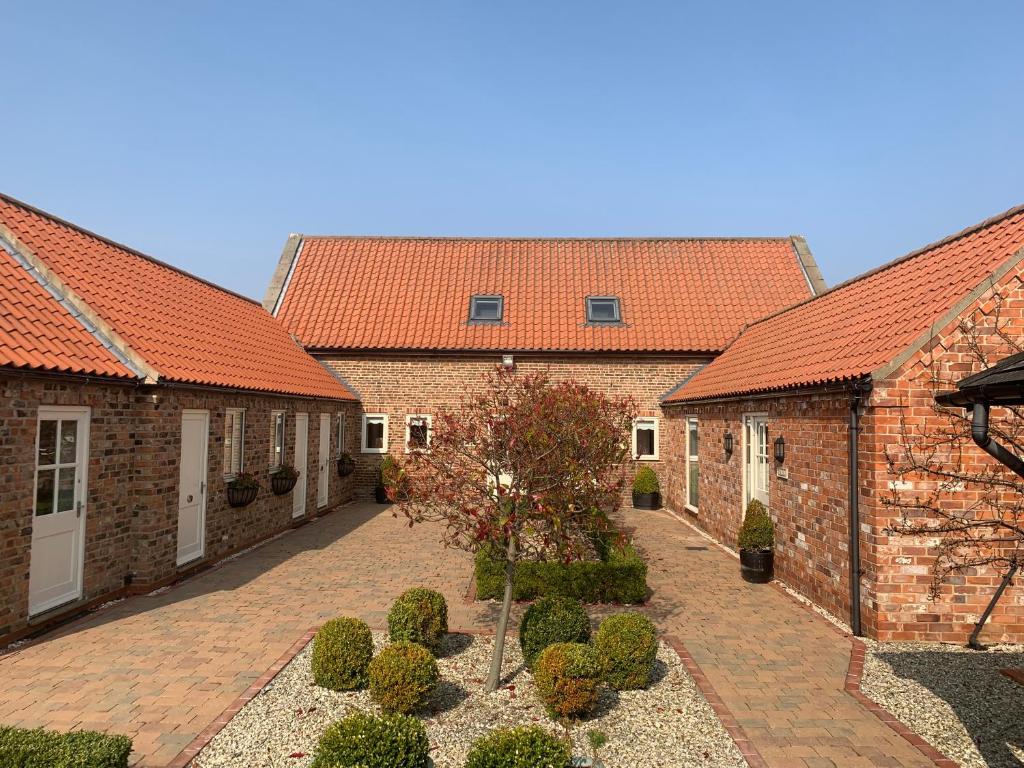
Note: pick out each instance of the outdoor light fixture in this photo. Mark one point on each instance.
(507, 361)
(780, 449)
(728, 444)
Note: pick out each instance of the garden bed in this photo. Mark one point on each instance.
(670, 724)
(621, 578)
(954, 698)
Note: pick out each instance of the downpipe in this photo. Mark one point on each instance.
(859, 392)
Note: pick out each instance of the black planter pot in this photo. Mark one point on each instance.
(242, 497)
(346, 467)
(281, 483)
(647, 500)
(756, 566)
(381, 495)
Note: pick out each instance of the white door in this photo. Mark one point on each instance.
(195, 433)
(323, 478)
(301, 452)
(58, 518)
(755, 459)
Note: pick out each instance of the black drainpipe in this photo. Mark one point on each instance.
(980, 435)
(858, 393)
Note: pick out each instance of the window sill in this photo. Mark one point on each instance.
(646, 458)
(691, 508)
(374, 450)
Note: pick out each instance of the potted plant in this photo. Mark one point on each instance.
(346, 465)
(390, 480)
(283, 479)
(646, 490)
(242, 490)
(757, 544)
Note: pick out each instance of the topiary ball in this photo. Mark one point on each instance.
(366, 741)
(527, 747)
(646, 481)
(402, 677)
(627, 645)
(342, 650)
(552, 620)
(567, 676)
(419, 616)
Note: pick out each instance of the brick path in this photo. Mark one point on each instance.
(160, 668)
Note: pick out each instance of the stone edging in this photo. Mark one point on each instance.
(852, 686)
(186, 755)
(725, 716)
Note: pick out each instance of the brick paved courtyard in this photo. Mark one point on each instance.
(160, 668)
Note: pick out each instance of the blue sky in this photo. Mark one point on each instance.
(205, 132)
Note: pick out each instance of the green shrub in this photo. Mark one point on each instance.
(621, 578)
(402, 677)
(342, 650)
(646, 481)
(526, 747)
(567, 676)
(552, 620)
(419, 616)
(366, 741)
(22, 748)
(757, 532)
(243, 481)
(393, 478)
(627, 645)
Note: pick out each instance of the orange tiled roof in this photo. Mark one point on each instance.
(862, 325)
(690, 295)
(37, 332)
(188, 330)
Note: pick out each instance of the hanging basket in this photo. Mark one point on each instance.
(242, 497)
(346, 465)
(283, 481)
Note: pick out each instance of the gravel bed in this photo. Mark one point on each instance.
(670, 724)
(954, 698)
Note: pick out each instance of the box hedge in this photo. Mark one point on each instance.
(621, 578)
(21, 748)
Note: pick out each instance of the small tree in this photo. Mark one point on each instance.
(968, 504)
(528, 467)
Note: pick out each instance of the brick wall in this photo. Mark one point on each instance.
(808, 507)
(405, 384)
(132, 506)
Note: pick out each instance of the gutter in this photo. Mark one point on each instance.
(859, 392)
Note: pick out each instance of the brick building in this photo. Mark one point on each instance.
(414, 324)
(871, 353)
(130, 392)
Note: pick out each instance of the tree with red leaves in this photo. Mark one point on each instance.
(529, 468)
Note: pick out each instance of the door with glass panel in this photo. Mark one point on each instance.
(755, 459)
(58, 515)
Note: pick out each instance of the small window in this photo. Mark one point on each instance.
(486, 308)
(603, 309)
(375, 433)
(417, 432)
(645, 439)
(234, 441)
(692, 465)
(339, 444)
(277, 422)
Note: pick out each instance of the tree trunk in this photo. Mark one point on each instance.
(494, 677)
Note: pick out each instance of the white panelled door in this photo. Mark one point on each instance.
(58, 519)
(301, 456)
(323, 477)
(755, 459)
(195, 435)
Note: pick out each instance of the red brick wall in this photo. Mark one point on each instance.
(132, 508)
(809, 507)
(405, 384)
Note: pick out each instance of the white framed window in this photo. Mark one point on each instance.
(645, 438)
(339, 437)
(755, 459)
(375, 433)
(692, 464)
(234, 441)
(277, 426)
(417, 432)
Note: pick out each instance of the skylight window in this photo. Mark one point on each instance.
(603, 309)
(486, 308)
